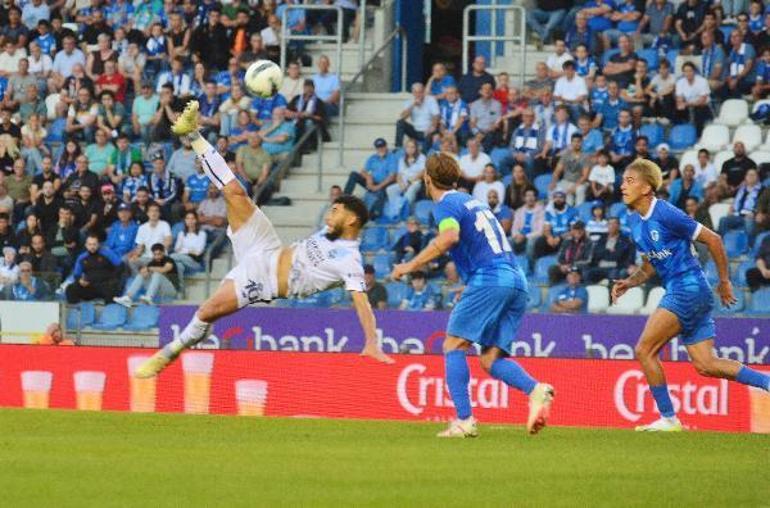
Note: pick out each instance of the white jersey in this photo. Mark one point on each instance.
(319, 264)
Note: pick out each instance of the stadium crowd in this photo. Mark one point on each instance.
(97, 199)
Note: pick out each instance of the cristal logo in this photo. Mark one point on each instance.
(416, 391)
(688, 398)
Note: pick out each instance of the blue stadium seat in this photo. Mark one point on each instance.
(739, 306)
(541, 184)
(711, 272)
(396, 293)
(671, 55)
(374, 239)
(655, 134)
(534, 297)
(383, 265)
(739, 276)
(507, 179)
(56, 131)
(395, 234)
(337, 296)
(727, 30)
(113, 316)
(618, 210)
(650, 55)
(143, 317)
(175, 230)
(553, 293)
(758, 242)
(609, 54)
(736, 243)
(760, 301)
(584, 210)
(81, 316)
(423, 210)
(541, 269)
(682, 136)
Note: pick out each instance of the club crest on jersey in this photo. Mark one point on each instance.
(654, 235)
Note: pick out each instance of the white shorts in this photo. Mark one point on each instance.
(256, 247)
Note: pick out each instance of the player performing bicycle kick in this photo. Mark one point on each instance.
(265, 269)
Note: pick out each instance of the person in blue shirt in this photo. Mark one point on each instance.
(491, 306)
(559, 217)
(740, 66)
(379, 172)
(664, 236)
(438, 82)
(593, 141)
(599, 93)
(762, 86)
(262, 108)
(45, 39)
(29, 288)
(626, 17)
(573, 298)
(196, 188)
(421, 295)
(609, 111)
(623, 140)
(122, 234)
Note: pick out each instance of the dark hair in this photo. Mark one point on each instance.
(419, 274)
(576, 135)
(355, 205)
(703, 150)
(4, 215)
(143, 188)
(152, 204)
(335, 187)
(158, 247)
(643, 137)
(442, 170)
(94, 234)
(197, 223)
(106, 92)
(569, 64)
(690, 65)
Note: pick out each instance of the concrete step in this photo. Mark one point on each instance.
(220, 267)
(363, 135)
(352, 158)
(301, 213)
(303, 186)
(197, 290)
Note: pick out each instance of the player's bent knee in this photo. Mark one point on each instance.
(642, 351)
(455, 343)
(707, 368)
(234, 189)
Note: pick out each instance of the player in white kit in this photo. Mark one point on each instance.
(265, 269)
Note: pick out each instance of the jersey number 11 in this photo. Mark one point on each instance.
(486, 222)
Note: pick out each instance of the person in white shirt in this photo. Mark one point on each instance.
(692, 94)
(266, 269)
(472, 165)
(601, 179)
(555, 61)
(420, 117)
(9, 59)
(571, 90)
(292, 82)
(190, 243)
(489, 182)
(151, 232)
(179, 79)
(408, 179)
(705, 172)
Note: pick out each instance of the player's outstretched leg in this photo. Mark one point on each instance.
(541, 395)
(457, 378)
(708, 364)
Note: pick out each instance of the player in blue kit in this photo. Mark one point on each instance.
(664, 235)
(494, 300)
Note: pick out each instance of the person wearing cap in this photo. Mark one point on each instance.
(575, 252)
(573, 299)
(143, 110)
(421, 295)
(307, 109)
(378, 172)
(419, 118)
(375, 291)
(107, 207)
(558, 218)
(96, 274)
(669, 165)
(121, 237)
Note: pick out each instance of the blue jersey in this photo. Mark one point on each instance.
(197, 187)
(665, 238)
(483, 255)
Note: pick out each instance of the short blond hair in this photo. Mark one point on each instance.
(648, 171)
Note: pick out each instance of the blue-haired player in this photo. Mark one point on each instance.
(491, 307)
(664, 235)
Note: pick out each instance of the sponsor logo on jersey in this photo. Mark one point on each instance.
(654, 235)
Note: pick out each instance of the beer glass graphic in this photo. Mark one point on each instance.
(89, 388)
(251, 397)
(197, 381)
(142, 390)
(760, 410)
(36, 386)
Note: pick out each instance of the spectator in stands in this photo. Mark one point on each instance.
(107, 207)
(573, 299)
(692, 98)
(635, 94)
(622, 66)
(472, 165)
(546, 17)
(656, 23)
(485, 113)
(714, 61)
(626, 18)
(293, 82)
(555, 61)
(99, 153)
(45, 174)
(761, 86)
(571, 90)
(7, 234)
(47, 206)
(18, 185)
(43, 262)
(503, 214)
(9, 270)
(668, 164)
(210, 43)
(66, 59)
(376, 292)
(410, 243)
(762, 214)
(278, 135)
(143, 111)
(661, 93)
(575, 251)
(29, 288)
(212, 212)
(114, 82)
(81, 117)
(96, 274)
(596, 227)
(121, 238)
(85, 210)
(378, 173)
(759, 275)
(740, 66)
(408, 179)
(608, 111)
(31, 226)
(733, 171)
(164, 188)
(177, 77)
(683, 188)
(580, 34)
(63, 238)
(557, 139)
(524, 148)
(688, 21)
(454, 115)
(421, 295)
(513, 107)
(335, 191)
(209, 103)
(18, 81)
(307, 110)
(6, 201)
(182, 162)
(438, 83)
(190, 244)
(489, 181)
(158, 278)
(705, 172)
(135, 180)
(252, 162)
(154, 231)
(420, 117)
(10, 58)
(164, 117)
(327, 86)
(571, 172)
(470, 84)
(742, 209)
(623, 141)
(514, 195)
(534, 88)
(559, 216)
(33, 136)
(601, 179)
(545, 110)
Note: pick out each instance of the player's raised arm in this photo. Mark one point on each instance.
(717, 250)
(369, 325)
(639, 277)
(449, 235)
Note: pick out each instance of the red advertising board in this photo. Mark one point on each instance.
(598, 393)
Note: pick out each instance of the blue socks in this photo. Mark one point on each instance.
(511, 373)
(457, 378)
(753, 377)
(663, 400)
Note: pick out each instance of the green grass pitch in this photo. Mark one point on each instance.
(67, 458)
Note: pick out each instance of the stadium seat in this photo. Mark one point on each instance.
(609, 54)
(337, 296)
(721, 157)
(374, 238)
(396, 293)
(733, 112)
(423, 210)
(80, 316)
(56, 132)
(507, 179)
(143, 317)
(736, 243)
(726, 31)
(650, 55)
(383, 264)
(175, 230)
(541, 184)
(584, 211)
(760, 301)
(739, 274)
(750, 135)
(712, 275)
(598, 298)
(760, 157)
(630, 303)
(714, 138)
(541, 268)
(395, 234)
(717, 211)
(534, 297)
(655, 134)
(653, 299)
(618, 210)
(681, 137)
(113, 316)
(688, 157)
(671, 56)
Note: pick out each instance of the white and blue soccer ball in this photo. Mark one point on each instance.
(263, 78)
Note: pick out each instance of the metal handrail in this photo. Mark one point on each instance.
(397, 32)
(520, 38)
(362, 34)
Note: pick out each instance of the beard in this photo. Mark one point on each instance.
(560, 206)
(332, 233)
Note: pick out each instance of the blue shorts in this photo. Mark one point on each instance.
(692, 304)
(488, 315)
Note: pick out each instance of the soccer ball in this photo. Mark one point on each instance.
(263, 78)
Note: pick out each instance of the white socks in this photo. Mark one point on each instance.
(213, 163)
(195, 332)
